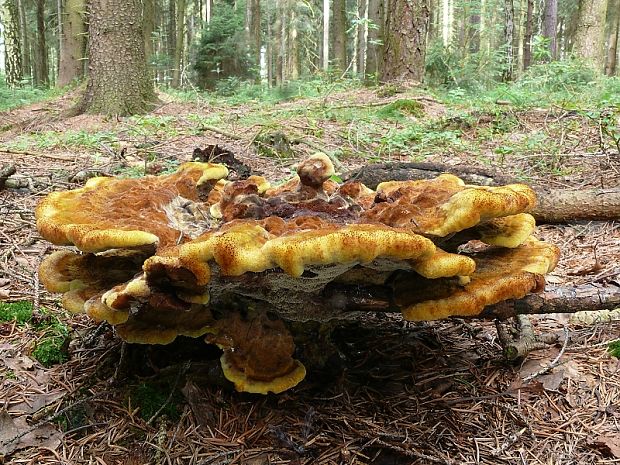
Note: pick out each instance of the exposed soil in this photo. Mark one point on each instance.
(400, 393)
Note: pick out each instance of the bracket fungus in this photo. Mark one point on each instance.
(242, 262)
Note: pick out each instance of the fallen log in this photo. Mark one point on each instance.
(587, 297)
(554, 205)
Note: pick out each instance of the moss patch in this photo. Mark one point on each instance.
(20, 312)
(614, 348)
(401, 108)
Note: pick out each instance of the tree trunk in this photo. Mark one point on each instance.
(23, 35)
(527, 40)
(148, 18)
(554, 206)
(41, 64)
(254, 29)
(613, 9)
(473, 29)
(171, 37)
(325, 35)
(340, 35)
(12, 43)
(404, 43)
(71, 66)
(590, 33)
(550, 25)
(509, 34)
(374, 38)
(293, 47)
(362, 33)
(179, 44)
(118, 82)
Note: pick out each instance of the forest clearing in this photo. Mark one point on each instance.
(338, 232)
(436, 392)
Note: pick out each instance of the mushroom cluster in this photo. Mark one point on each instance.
(239, 263)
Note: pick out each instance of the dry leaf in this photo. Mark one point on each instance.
(553, 380)
(35, 402)
(4, 282)
(608, 444)
(4, 294)
(46, 436)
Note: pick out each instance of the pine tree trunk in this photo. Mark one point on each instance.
(590, 33)
(41, 49)
(293, 47)
(171, 33)
(148, 15)
(254, 29)
(509, 33)
(340, 36)
(550, 24)
(473, 30)
(325, 35)
(179, 44)
(12, 43)
(404, 41)
(613, 9)
(118, 82)
(362, 32)
(527, 39)
(23, 35)
(373, 46)
(71, 66)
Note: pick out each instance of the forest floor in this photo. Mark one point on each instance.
(436, 392)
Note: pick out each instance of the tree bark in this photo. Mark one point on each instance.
(362, 33)
(587, 297)
(23, 35)
(179, 44)
(292, 41)
(171, 41)
(613, 9)
(404, 41)
(509, 34)
(473, 30)
(119, 83)
(71, 66)
(12, 43)
(325, 35)
(254, 29)
(148, 18)
(527, 40)
(41, 49)
(340, 35)
(374, 39)
(590, 33)
(554, 206)
(550, 25)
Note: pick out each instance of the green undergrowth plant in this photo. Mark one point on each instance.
(24, 95)
(52, 338)
(52, 344)
(614, 348)
(46, 140)
(19, 312)
(152, 396)
(400, 109)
